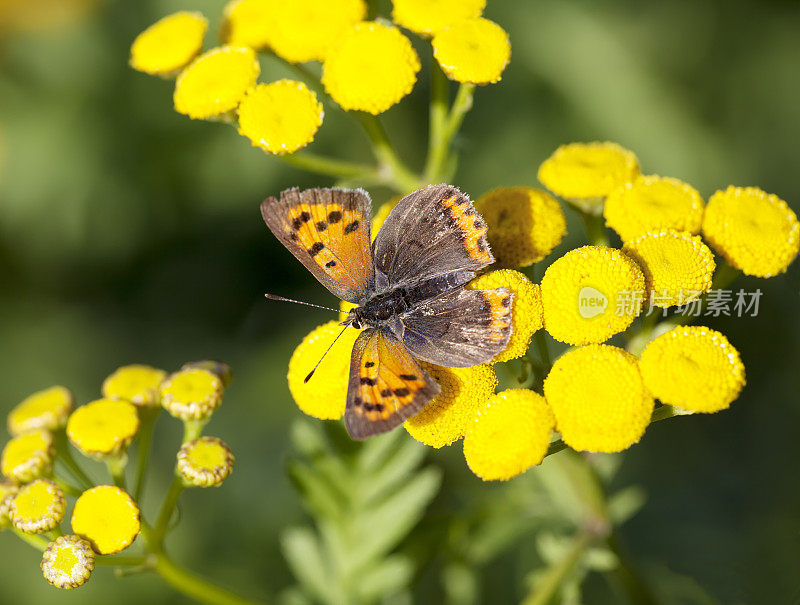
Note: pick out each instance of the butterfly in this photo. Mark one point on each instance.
(408, 287)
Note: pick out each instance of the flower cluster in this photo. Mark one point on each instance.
(106, 518)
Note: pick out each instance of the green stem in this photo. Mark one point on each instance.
(438, 114)
(156, 537)
(116, 468)
(37, 541)
(67, 487)
(557, 572)
(328, 166)
(544, 351)
(397, 173)
(635, 587)
(193, 586)
(65, 456)
(555, 447)
(114, 561)
(595, 228)
(148, 420)
(662, 413)
(436, 167)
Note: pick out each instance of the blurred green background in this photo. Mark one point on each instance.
(129, 233)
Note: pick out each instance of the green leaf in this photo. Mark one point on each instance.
(320, 496)
(460, 584)
(400, 464)
(303, 554)
(377, 450)
(387, 578)
(626, 503)
(600, 559)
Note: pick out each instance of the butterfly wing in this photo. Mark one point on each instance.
(432, 232)
(328, 231)
(387, 386)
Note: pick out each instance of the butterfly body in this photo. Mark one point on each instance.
(408, 288)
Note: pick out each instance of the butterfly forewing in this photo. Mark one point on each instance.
(328, 230)
(387, 386)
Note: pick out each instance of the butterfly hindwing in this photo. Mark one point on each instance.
(328, 230)
(386, 387)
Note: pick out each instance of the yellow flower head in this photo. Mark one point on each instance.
(135, 383)
(107, 517)
(598, 398)
(249, 22)
(205, 462)
(28, 456)
(305, 30)
(756, 232)
(677, 266)
(382, 214)
(652, 203)
(169, 44)
(431, 16)
(585, 173)
(446, 417)
(474, 51)
(222, 370)
(103, 428)
(325, 395)
(47, 409)
(280, 117)
(510, 434)
(371, 69)
(38, 507)
(8, 489)
(526, 310)
(67, 562)
(589, 295)
(214, 84)
(693, 368)
(525, 224)
(192, 394)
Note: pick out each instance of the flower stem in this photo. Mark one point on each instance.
(65, 455)
(438, 114)
(116, 468)
(67, 487)
(156, 537)
(37, 541)
(436, 168)
(398, 174)
(149, 416)
(327, 166)
(115, 561)
(558, 571)
(637, 590)
(595, 228)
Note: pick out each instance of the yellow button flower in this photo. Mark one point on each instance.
(371, 69)
(8, 489)
(191, 394)
(103, 428)
(38, 507)
(510, 433)
(756, 232)
(169, 44)
(305, 30)
(205, 462)
(653, 203)
(446, 417)
(135, 383)
(525, 224)
(431, 16)
(107, 517)
(280, 117)
(474, 51)
(28, 456)
(325, 395)
(585, 173)
(693, 368)
(598, 398)
(67, 562)
(47, 409)
(344, 309)
(677, 266)
(249, 22)
(215, 82)
(382, 214)
(526, 310)
(221, 369)
(589, 294)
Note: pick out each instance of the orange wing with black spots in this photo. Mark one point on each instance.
(387, 386)
(431, 232)
(328, 230)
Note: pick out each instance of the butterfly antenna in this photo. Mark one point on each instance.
(299, 302)
(311, 373)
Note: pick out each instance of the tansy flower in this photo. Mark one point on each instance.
(38, 507)
(67, 562)
(589, 295)
(382, 214)
(28, 456)
(135, 383)
(693, 368)
(169, 44)
(47, 409)
(249, 22)
(474, 51)
(8, 489)
(305, 30)
(215, 82)
(585, 173)
(191, 394)
(280, 117)
(598, 398)
(372, 67)
(107, 517)
(205, 462)
(525, 224)
(431, 16)
(446, 417)
(673, 264)
(510, 434)
(325, 395)
(221, 369)
(653, 203)
(103, 428)
(526, 310)
(756, 232)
